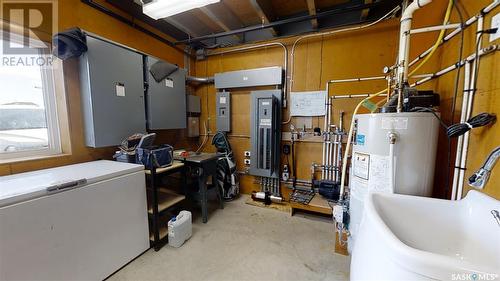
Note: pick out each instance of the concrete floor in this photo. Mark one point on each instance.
(244, 242)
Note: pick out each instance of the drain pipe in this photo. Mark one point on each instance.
(404, 46)
(392, 141)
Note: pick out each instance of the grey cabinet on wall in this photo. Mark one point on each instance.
(112, 90)
(166, 100)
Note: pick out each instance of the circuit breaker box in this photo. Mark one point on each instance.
(223, 108)
(112, 93)
(165, 100)
(265, 133)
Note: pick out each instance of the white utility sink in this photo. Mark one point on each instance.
(416, 238)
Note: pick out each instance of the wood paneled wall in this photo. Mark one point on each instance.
(346, 55)
(353, 54)
(75, 13)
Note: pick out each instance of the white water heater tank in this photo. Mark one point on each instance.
(414, 137)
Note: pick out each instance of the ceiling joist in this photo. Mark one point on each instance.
(265, 12)
(181, 26)
(311, 7)
(228, 23)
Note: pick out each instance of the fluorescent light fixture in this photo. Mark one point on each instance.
(159, 9)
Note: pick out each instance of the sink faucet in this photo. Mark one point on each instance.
(496, 215)
(480, 178)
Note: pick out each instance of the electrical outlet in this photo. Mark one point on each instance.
(247, 161)
(338, 213)
(248, 153)
(495, 23)
(285, 176)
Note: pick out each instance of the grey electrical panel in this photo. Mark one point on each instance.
(194, 111)
(193, 104)
(266, 76)
(193, 126)
(223, 108)
(265, 133)
(165, 100)
(112, 93)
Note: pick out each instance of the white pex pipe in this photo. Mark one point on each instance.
(467, 23)
(330, 144)
(404, 39)
(391, 167)
(472, 91)
(326, 125)
(325, 136)
(328, 140)
(404, 46)
(428, 77)
(335, 151)
(465, 98)
(435, 28)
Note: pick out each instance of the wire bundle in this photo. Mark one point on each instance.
(479, 120)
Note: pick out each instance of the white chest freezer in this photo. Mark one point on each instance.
(77, 222)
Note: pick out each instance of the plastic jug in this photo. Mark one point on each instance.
(180, 229)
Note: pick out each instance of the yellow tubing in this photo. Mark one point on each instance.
(349, 139)
(438, 41)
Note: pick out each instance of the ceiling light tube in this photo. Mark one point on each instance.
(165, 8)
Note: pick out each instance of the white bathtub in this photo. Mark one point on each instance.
(415, 238)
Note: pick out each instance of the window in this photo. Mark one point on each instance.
(28, 113)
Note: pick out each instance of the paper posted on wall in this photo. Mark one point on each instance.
(307, 103)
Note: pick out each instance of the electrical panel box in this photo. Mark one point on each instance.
(193, 104)
(266, 76)
(223, 108)
(193, 126)
(112, 93)
(165, 100)
(265, 133)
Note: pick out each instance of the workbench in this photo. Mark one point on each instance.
(203, 165)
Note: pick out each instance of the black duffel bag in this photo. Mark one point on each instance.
(155, 157)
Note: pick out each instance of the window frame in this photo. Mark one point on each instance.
(51, 78)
